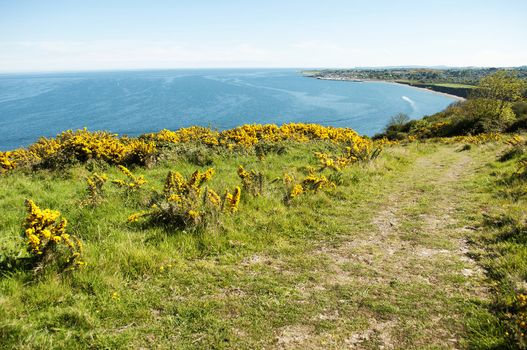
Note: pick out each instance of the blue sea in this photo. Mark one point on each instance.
(136, 102)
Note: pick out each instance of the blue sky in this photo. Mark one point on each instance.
(60, 35)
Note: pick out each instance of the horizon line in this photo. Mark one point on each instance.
(106, 70)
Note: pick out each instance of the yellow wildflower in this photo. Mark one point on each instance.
(193, 214)
(233, 200)
(297, 190)
(213, 197)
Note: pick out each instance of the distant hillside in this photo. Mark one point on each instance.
(496, 104)
(455, 81)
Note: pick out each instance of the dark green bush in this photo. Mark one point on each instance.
(520, 109)
(519, 124)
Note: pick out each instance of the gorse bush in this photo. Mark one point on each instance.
(184, 135)
(518, 147)
(94, 188)
(250, 135)
(132, 182)
(351, 155)
(468, 139)
(139, 152)
(11, 160)
(47, 239)
(231, 200)
(185, 203)
(311, 183)
(83, 145)
(517, 322)
(194, 152)
(475, 140)
(7, 161)
(332, 162)
(176, 185)
(252, 181)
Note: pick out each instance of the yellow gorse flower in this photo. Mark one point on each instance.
(288, 179)
(311, 182)
(6, 161)
(296, 190)
(252, 181)
(182, 201)
(516, 140)
(198, 178)
(136, 216)
(213, 197)
(193, 214)
(174, 182)
(249, 135)
(94, 188)
(517, 318)
(315, 183)
(335, 162)
(44, 230)
(385, 142)
(133, 183)
(81, 145)
(242, 173)
(232, 200)
(174, 198)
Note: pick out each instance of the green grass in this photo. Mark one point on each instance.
(451, 85)
(501, 235)
(454, 85)
(373, 262)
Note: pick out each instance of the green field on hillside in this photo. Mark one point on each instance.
(453, 85)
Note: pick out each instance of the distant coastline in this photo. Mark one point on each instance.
(459, 82)
(456, 97)
(355, 80)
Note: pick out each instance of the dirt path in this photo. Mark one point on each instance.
(408, 280)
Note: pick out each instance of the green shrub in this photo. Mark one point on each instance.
(518, 125)
(520, 109)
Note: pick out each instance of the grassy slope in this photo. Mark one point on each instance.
(461, 90)
(451, 85)
(454, 85)
(381, 260)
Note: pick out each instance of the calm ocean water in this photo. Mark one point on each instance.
(135, 102)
